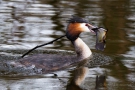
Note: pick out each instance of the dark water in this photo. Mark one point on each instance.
(27, 23)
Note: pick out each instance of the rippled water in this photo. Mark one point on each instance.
(27, 23)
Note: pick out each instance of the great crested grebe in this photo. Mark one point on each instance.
(46, 63)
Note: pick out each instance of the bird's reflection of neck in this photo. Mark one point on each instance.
(78, 77)
(100, 82)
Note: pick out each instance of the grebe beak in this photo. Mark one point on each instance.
(100, 38)
(91, 27)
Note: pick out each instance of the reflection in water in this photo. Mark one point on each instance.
(115, 20)
(79, 75)
(101, 82)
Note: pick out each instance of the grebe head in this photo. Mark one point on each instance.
(76, 26)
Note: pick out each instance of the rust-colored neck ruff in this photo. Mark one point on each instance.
(73, 31)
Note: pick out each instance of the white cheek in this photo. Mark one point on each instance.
(84, 27)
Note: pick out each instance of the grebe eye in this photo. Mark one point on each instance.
(86, 25)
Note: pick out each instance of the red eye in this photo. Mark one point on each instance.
(86, 24)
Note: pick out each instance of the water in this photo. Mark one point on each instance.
(27, 23)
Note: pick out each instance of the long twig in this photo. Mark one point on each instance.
(42, 45)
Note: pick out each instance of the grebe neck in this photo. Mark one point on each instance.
(82, 50)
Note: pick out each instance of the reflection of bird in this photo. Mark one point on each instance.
(45, 63)
(77, 79)
(100, 82)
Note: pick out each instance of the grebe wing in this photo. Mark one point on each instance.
(48, 62)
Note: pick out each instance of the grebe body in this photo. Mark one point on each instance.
(46, 63)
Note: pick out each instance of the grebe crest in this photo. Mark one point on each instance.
(76, 26)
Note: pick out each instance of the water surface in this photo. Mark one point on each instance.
(27, 23)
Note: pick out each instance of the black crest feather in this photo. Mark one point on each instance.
(76, 19)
